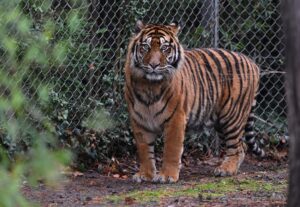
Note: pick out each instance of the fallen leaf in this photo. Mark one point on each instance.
(129, 200)
(124, 177)
(116, 175)
(77, 174)
(95, 200)
(92, 183)
(52, 205)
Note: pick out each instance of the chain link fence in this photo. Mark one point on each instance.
(255, 29)
(92, 79)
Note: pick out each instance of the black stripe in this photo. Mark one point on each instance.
(223, 79)
(243, 66)
(142, 36)
(186, 97)
(228, 65)
(166, 93)
(235, 116)
(210, 92)
(218, 64)
(234, 132)
(156, 98)
(250, 118)
(181, 89)
(234, 154)
(151, 100)
(164, 107)
(247, 67)
(143, 127)
(248, 128)
(187, 61)
(201, 87)
(248, 138)
(140, 99)
(237, 63)
(234, 146)
(230, 138)
(230, 102)
(156, 33)
(241, 104)
(237, 122)
(138, 114)
(210, 71)
(133, 48)
(169, 118)
(233, 120)
(176, 63)
(237, 68)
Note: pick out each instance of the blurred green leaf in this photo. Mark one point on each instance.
(98, 121)
(60, 52)
(10, 45)
(74, 21)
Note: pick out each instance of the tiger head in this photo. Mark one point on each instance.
(156, 53)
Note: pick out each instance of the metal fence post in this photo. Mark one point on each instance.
(216, 24)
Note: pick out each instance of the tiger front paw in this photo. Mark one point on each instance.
(167, 177)
(140, 176)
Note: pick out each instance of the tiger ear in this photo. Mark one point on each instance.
(139, 26)
(175, 27)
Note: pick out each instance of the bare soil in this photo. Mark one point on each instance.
(267, 187)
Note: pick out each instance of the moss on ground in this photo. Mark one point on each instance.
(212, 190)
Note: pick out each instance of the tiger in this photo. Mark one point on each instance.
(169, 90)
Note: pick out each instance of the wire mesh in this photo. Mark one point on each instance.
(92, 78)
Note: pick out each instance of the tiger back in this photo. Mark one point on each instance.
(169, 89)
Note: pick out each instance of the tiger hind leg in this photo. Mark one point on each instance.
(234, 151)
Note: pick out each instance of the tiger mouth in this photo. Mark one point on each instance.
(154, 76)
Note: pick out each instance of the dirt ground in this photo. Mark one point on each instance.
(259, 183)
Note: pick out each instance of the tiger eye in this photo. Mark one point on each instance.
(165, 47)
(144, 48)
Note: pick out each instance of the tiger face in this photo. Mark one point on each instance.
(157, 52)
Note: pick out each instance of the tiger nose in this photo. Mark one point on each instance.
(154, 65)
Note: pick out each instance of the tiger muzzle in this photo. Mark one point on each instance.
(154, 75)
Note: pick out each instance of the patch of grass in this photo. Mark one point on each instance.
(214, 189)
(260, 185)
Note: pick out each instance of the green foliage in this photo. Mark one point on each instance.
(29, 149)
(252, 28)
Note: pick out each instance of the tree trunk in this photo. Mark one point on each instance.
(291, 14)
